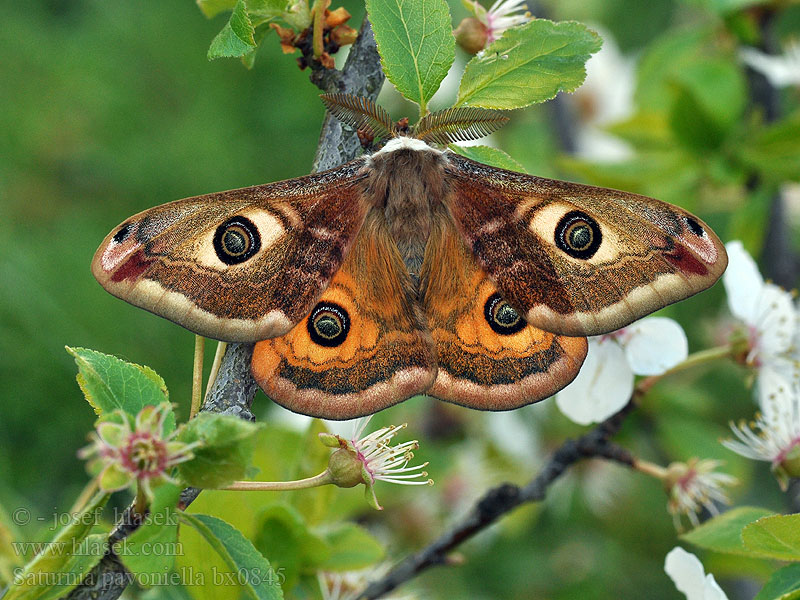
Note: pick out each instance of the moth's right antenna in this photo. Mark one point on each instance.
(361, 113)
(458, 124)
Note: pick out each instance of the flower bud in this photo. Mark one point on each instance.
(346, 469)
(471, 35)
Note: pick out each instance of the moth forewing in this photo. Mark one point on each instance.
(240, 266)
(578, 259)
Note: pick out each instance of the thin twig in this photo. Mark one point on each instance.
(503, 499)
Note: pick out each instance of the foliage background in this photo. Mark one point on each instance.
(111, 107)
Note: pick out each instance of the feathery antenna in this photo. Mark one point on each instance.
(361, 113)
(458, 124)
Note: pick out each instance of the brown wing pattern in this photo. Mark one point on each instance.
(242, 265)
(488, 357)
(362, 348)
(576, 259)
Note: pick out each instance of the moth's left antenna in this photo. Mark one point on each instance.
(361, 113)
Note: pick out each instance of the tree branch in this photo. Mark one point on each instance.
(234, 388)
(503, 499)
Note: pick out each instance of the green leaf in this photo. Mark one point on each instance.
(724, 532)
(664, 60)
(88, 554)
(275, 449)
(488, 156)
(776, 536)
(353, 547)
(643, 129)
(775, 151)
(749, 223)
(236, 38)
(211, 8)
(416, 44)
(249, 59)
(226, 451)
(66, 553)
(259, 10)
(150, 550)
(708, 98)
(10, 556)
(784, 584)
(529, 64)
(110, 383)
(692, 125)
(718, 86)
(283, 536)
(246, 564)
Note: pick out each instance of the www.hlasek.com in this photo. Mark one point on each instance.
(91, 547)
(187, 576)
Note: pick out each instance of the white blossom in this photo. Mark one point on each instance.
(687, 572)
(770, 319)
(782, 70)
(605, 97)
(384, 462)
(604, 385)
(696, 485)
(372, 458)
(774, 437)
(348, 585)
(504, 14)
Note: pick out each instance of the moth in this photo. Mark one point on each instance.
(411, 270)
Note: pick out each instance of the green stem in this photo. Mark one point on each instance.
(197, 374)
(318, 30)
(651, 469)
(212, 376)
(693, 360)
(140, 503)
(323, 478)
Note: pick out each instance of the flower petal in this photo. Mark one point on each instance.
(654, 345)
(112, 434)
(781, 70)
(687, 572)
(711, 589)
(151, 419)
(114, 478)
(776, 320)
(603, 386)
(778, 399)
(743, 282)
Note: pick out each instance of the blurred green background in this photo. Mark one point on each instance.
(109, 108)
